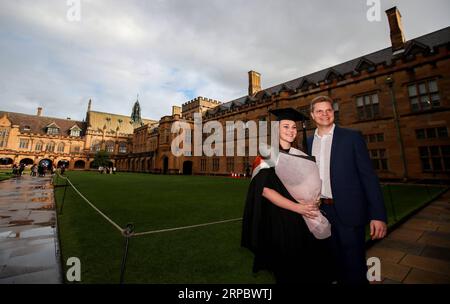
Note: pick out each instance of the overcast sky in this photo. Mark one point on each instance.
(170, 51)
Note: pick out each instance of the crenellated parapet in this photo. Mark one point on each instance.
(198, 105)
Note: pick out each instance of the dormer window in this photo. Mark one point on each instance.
(75, 133)
(27, 128)
(52, 131)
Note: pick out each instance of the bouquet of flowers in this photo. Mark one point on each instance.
(300, 175)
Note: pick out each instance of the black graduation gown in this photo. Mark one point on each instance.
(279, 238)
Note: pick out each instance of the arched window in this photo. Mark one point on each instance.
(38, 146)
(50, 147)
(95, 147)
(76, 149)
(3, 137)
(110, 146)
(61, 148)
(123, 147)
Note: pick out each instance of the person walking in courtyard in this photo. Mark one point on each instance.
(21, 169)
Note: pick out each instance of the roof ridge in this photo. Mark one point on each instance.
(342, 63)
(36, 116)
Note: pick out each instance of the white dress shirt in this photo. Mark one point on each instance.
(321, 149)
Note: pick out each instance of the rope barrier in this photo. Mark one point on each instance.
(185, 227)
(127, 233)
(92, 205)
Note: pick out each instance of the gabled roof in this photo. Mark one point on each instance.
(39, 124)
(52, 125)
(415, 47)
(364, 64)
(113, 122)
(430, 41)
(75, 127)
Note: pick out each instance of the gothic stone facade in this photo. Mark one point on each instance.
(398, 97)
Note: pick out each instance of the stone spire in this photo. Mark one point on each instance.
(88, 111)
(136, 114)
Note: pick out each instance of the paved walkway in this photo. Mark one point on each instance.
(28, 237)
(418, 252)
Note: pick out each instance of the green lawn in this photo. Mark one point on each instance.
(5, 175)
(209, 254)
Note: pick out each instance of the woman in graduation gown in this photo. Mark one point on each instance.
(273, 227)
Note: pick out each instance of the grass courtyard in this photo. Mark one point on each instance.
(210, 254)
(5, 174)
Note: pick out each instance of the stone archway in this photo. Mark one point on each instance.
(165, 165)
(27, 161)
(80, 164)
(62, 162)
(92, 165)
(5, 161)
(46, 163)
(149, 164)
(187, 167)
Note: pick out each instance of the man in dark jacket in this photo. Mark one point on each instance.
(351, 195)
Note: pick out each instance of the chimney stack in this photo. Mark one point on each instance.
(39, 111)
(176, 110)
(396, 27)
(254, 83)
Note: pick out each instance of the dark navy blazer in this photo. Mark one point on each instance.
(354, 184)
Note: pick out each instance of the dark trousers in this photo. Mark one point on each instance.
(348, 246)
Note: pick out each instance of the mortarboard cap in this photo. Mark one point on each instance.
(288, 114)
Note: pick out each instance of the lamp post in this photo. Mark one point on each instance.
(390, 82)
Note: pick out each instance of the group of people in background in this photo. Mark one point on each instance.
(107, 170)
(35, 170)
(42, 169)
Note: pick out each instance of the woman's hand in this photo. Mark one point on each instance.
(308, 210)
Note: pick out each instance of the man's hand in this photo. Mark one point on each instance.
(378, 229)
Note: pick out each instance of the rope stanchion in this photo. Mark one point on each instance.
(64, 197)
(127, 233)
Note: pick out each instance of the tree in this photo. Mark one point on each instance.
(101, 158)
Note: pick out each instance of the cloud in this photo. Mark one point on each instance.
(171, 51)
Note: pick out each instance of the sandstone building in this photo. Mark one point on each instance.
(398, 97)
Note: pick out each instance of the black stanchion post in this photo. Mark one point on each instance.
(64, 197)
(127, 233)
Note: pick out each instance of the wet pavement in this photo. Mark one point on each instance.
(418, 251)
(29, 251)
